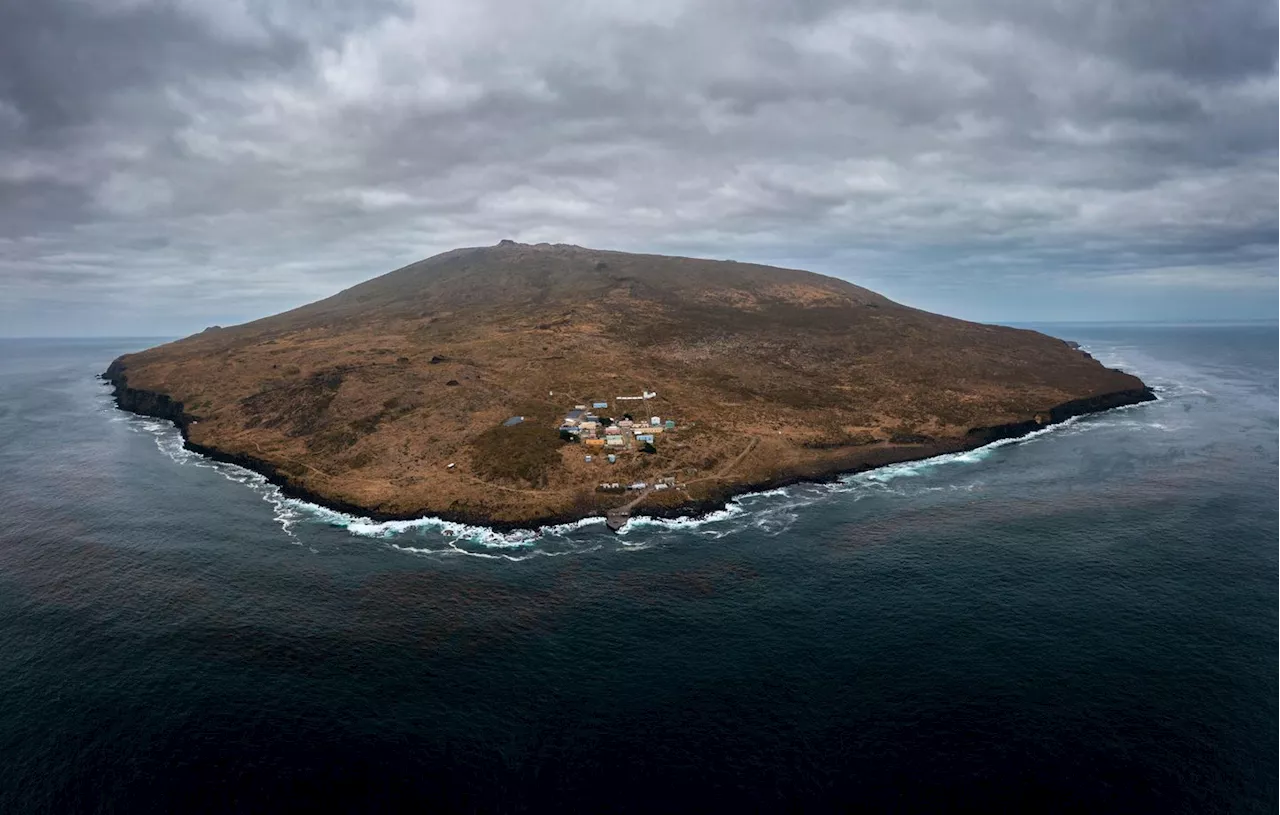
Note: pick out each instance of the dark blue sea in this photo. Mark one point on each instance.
(1081, 621)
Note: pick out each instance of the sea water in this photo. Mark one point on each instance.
(1083, 619)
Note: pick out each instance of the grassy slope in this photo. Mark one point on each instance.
(365, 397)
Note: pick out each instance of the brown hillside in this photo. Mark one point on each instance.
(364, 398)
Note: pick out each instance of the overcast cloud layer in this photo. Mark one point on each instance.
(168, 165)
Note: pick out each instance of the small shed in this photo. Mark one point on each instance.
(599, 404)
(613, 459)
(655, 421)
(513, 421)
(670, 425)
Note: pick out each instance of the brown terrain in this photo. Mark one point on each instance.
(362, 400)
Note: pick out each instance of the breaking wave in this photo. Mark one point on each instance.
(771, 512)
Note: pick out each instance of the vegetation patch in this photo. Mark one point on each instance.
(359, 460)
(332, 441)
(524, 453)
(833, 440)
(392, 394)
(301, 407)
(910, 438)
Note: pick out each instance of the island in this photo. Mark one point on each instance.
(522, 385)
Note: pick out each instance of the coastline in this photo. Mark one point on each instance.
(162, 406)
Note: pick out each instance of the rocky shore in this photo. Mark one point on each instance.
(162, 406)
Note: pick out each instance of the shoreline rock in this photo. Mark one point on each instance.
(162, 406)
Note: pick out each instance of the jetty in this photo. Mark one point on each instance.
(617, 517)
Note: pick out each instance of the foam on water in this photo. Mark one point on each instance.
(286, 511)
(770, 511)
(435, 536)
(913, 469)
(702, 524)
(1119, 550)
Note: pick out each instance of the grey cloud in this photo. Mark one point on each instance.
(1209, 42)
(198, 155)
(63, 61)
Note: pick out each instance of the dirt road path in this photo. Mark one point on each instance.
(724, 471)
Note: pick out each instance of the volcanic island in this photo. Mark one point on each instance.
(519, 385)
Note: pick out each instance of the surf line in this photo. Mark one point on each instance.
(361, 526)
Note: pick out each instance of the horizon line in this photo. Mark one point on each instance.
(1011, 323)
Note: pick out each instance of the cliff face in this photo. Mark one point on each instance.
(388, 399)
(1060, 413)
(143, 402)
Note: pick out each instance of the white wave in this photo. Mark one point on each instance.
(1162, 384)
(775, 492)
(685, 522)
(771, 511)
(447, 550)
(483, 535)
(168, 440)
(366, 527)
(452, 548)
(774, 522)
(289, 512)
(755, 509)
(912, 469)
(566, 528)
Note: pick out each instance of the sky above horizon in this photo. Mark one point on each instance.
(171, 164)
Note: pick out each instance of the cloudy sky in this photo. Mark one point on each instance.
(169, 164)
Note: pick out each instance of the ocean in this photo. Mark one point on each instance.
(1081, 620)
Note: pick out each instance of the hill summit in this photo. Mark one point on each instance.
(522, 384)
